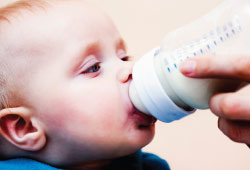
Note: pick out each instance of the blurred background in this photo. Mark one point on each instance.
(195, 142)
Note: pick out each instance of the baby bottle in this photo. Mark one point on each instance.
(158, 87)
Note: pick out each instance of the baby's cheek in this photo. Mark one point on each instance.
(62, 115)
(57, 116)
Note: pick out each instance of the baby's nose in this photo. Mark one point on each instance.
(125, 73)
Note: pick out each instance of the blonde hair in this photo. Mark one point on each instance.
(19, 6)
(8, 13)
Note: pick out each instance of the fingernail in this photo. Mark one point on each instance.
(188, 67)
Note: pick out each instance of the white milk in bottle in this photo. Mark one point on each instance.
(158, 87)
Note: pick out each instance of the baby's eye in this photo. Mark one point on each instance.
(126, 58)
(92, 69)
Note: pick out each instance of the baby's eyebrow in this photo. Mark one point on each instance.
(90, 48)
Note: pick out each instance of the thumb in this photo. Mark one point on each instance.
(233, 67)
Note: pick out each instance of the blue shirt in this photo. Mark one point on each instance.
(136, 161)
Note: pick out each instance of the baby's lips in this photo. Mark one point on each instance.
(154, 119)
(144, 119)
(151, 119)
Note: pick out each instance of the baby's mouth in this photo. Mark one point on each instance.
(142, 120)
(145, 121)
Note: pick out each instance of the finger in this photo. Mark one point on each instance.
(238, 131)
(236, 67)
(233, 106)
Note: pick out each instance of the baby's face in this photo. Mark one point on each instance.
(80, 80)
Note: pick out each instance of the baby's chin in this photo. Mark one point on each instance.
(136, 139)
(142, 135)
(143, 130)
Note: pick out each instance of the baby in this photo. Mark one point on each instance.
(64, 77)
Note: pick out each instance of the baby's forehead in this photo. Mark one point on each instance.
(55, 11)
(57, 23)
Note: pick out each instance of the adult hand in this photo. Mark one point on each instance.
(232, 108)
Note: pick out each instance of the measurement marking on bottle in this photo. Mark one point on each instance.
(233, 31)
(204, 45)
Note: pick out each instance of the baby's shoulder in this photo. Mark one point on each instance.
(24, 164)
(139, 161)
(151, 161)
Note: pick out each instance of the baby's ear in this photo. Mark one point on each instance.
(18, 126)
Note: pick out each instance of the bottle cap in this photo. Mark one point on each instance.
(151, 92)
